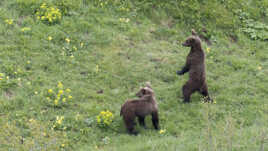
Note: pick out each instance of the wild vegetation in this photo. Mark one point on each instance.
(67, 66)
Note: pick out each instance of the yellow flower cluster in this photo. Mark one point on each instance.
(4, 80)
(204, 102)
(9, 21)
(70, 48)
(48, 13)
(59, 123)
(105, 118)
(105, 3)
(122, 8)
(60, 85)
(60, 96)
(125, 20)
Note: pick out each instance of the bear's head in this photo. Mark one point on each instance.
(145, 91)
(192, 41)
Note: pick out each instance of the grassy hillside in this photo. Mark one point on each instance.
(64, 62)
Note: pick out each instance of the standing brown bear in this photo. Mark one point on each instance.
(195, 65)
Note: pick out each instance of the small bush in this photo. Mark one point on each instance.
(105, 118)
(58, 97)
(48, 14)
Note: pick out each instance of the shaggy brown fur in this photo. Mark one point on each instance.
(195, 65)
(145, 105)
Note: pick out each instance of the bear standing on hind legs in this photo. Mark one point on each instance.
(195, 65)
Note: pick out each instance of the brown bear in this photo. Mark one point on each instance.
(145, 105)
(195, 65)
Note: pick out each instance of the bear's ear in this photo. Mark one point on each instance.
(194, 32)
(148, 84)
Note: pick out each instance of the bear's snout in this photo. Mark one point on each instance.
(185, 44)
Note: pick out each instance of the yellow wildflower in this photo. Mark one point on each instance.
(50, 91)
(58, 96)
(35, 92)
(74, 48)
(162, 131)
(64, 100)
(71, 56)
(60, 85)
(70, 97)
(28, 62)
(9, 21)
(7, 77)
(61, 92)
(98, 119)
(208, 49)
(68, 90)
(59, 119)
(97, 68)
(67, 40)
(31, 120)
(25, 29)
(126, 20)
(56, 102)
(81, 44)
(259, 67)
(43, 5)
(49, 38)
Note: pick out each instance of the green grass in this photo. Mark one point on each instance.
(118, 57)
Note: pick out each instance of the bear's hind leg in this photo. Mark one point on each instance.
(130, 123)
(155, 120)
(187, 90)
(204, 92)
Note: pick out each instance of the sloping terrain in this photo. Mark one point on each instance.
(64, 62)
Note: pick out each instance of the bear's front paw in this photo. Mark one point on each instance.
(179, 73)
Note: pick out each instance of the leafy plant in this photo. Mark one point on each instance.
(104, 119)
(48, 14)
(254, 29)
(58, 96)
